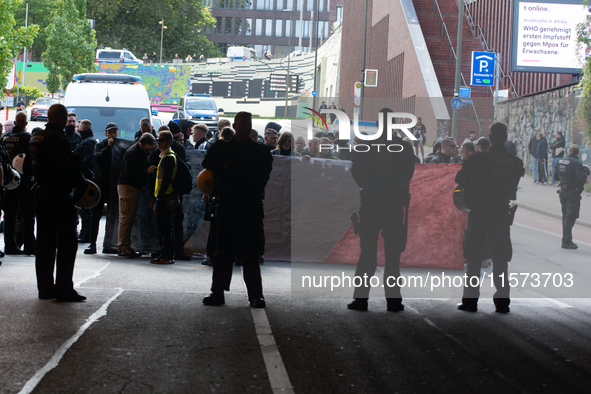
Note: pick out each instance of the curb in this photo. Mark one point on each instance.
(549, 213)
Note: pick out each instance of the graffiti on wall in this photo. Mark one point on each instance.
(552, 111)
(165, 84)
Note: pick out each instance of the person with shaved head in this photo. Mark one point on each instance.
(50, 160)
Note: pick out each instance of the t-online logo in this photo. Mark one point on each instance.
(345, 127)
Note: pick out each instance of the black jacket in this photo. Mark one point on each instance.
(442, 158)
(556, 145)
(86, 154)
(134, 168)
(102, 157)
(533, 146)
(15, 142)
(542, 149)
(572, 176)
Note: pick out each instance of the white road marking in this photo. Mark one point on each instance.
(278, 377)
(59, 354)
(549, 233)
(95, 275)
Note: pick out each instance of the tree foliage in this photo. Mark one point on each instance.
(134, 25)
(40, 14)
(12, 39)
(583, 46)
(70, 44)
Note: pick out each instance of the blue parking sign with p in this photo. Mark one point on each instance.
(482, 71)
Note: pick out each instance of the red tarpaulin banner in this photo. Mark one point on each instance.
(435, 225)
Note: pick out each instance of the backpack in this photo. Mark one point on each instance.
(183, 180)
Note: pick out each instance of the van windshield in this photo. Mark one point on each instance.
(109, 55)
(208, 105)
(127, 119)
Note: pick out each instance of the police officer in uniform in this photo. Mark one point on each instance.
(384, 179)
(56, 171)
(18, 202)
(490, 179)
(241, 169)
(572, 176)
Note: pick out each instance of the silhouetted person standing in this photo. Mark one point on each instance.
(491, 178)
(57, 172)
(241, 169)
(572, 176)
(384, 179)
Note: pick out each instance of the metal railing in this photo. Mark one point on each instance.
(453, 55)
(482, 39)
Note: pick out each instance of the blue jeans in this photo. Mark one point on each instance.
(534, 168)
(554, 162)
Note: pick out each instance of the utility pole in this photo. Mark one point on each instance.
(363, 62)
(161, 37)
(456, 112)
(301, 23)
(287, 81)
(25, 54)
(497, 61)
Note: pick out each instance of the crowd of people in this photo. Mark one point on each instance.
(61, 157)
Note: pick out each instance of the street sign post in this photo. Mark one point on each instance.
(457, 103)
(371, 78)
(357, 95)
(482, 70)
(11, 78)
(465, 91)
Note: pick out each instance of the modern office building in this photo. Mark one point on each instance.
(273, 25)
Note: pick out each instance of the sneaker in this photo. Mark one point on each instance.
(182, 256)
(72, 296)
(207, 261)
(258, 303)
(502, 309)
(358, 304)
(214, 299)
(110, 251)
(545, 183)
(90, 250)
(125, 254)
(162, 260)
(13, 252)
(467, 307)
(569, 245)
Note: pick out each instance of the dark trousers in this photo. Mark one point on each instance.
(570, 212)
(19, 203)
(97, 214)
(86, 220)
(542, 170)
(165, 218)
(247, 232)
(393, 229)
(56, 237)
(493, 227)
(179, 216)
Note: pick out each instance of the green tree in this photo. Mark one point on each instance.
(70, 44)
(134, 25)
(584, 45)
(40, 14)
(12, 39)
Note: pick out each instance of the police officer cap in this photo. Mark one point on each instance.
(111, 125)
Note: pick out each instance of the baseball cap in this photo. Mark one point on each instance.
(111, 125)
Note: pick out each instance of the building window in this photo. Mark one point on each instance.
(306, 29)
(248, 27)
(287, 28)
(258, 28)
(269, 27)
(321, 6)
(266, 5)
(218, 25)
(278, 28)
(298, 4)
(310, 5)
(238, 26)
(340, 14)
(323, 26)
(208, 3)
(297, 29)
(288, 5)
(279, 5)
(228, 25)
(244, 4)
(225, 4)
(327, 5)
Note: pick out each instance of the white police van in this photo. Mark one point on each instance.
(104, 98)
(109, 55)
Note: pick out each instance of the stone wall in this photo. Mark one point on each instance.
(553, 110)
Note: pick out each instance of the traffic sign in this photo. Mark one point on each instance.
(482, 71)
(465, 91)
(357, 94)
(457, 103)
(466, 101)
(314, 93)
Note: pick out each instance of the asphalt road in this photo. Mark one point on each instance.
(144, 329)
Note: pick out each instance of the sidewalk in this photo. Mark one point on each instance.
(544, 199)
